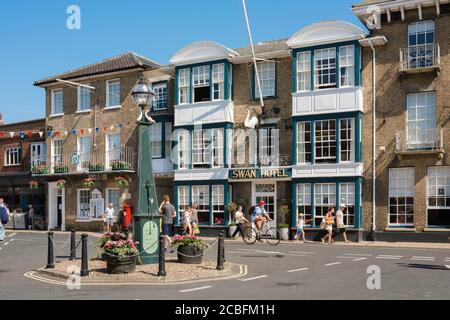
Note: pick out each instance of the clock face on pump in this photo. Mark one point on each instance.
(150, 237)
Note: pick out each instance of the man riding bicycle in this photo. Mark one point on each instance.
(260, 216)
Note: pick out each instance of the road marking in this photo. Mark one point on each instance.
(254, 278)
(358, 254)
(345, 257)
(301, 252)
(423, 258)
(195, 289)
(295, 270)
(6, 243)
(12, 234)
(359, 259)
(447, 266)
(332, 264)
(389, 257)
(1, 248)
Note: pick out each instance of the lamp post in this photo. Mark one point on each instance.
(146, 223)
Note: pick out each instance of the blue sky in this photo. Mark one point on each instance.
(35, 42)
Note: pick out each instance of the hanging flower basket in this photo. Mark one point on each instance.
(121, 182)
(34, 184)
(90, 183)
(61, 184)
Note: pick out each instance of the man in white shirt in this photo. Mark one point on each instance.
(109, 215)
(340, 222)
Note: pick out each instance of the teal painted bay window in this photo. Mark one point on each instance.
(211, 198)
(313, 197)
(328, 139)
(197, 83)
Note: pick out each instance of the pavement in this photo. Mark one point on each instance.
(288, 271)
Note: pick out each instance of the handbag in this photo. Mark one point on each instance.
(322, 224)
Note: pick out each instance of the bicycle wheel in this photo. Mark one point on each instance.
(249, 235)
(272, 236)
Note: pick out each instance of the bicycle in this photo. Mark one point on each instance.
(271, 235)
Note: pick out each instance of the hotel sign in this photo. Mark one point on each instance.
(266, 173)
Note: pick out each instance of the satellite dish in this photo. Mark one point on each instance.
(250, 123)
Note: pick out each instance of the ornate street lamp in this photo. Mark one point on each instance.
(146, 223)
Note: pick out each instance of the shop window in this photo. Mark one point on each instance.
(83, 199)
(113, 196)
(183, 202)
(401, 196)
(347, 198)
(324, 198)
(304, 202)
(218, 209)
(438, 197)
(200, 197)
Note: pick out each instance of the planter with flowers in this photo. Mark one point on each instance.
(61, 184)
(120, 253)
(90, 183)
(61, 169)
(33, 184)
(121, 165)
(121, 182)
(40, 170)
(96, 167)
(190, 249)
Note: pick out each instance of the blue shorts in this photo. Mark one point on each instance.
(299, 230)
(167, 229)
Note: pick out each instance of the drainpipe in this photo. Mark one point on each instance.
(374, 139)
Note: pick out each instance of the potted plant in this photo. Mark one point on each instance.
(190, 249)
(33, 184)
(61, 184)
(120, 253)
(121, 165)
(284, 231)
(121, 182)
(232, 229)
(89, 183)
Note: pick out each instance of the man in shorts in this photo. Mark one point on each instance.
(340, 226)
(260, 216)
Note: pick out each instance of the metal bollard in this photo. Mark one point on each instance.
(84, 256)
(162, 257)
(50, 257)
(72, 246)
(220, 252)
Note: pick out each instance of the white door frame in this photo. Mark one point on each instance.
(274, 194)
(52, 212)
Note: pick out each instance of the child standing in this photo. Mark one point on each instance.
(300, 226)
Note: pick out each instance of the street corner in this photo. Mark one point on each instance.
(68, 273)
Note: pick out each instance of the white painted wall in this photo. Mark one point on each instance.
(204, 112)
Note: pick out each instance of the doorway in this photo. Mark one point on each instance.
(56, 207)
(266, 191)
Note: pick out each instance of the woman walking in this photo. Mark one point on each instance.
(329, 222)
(240, 220)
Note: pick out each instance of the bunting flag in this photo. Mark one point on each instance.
(62, 132)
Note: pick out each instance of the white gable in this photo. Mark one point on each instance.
(325, 32)
(202, 51)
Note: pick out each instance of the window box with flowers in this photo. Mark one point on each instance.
(121, 165)
(189, 249)
(120, 253)
(39, 170)
(96, 167)
(61, 169)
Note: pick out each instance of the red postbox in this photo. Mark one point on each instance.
(127, 218)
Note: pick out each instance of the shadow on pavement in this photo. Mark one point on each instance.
(422, 266)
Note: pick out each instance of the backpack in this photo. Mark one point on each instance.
(4, 216)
